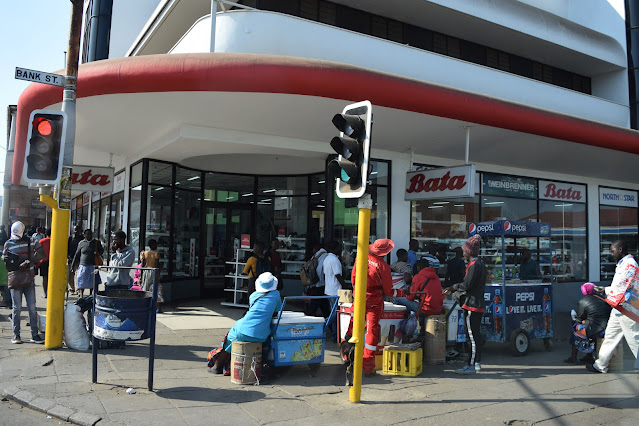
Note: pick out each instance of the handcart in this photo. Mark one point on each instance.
(299, 339)
(520, 262)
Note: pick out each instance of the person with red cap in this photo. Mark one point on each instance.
(378, 284)
(470, 295)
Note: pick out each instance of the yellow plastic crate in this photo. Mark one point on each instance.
(402, 361)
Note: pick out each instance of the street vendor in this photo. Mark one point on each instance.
(255, 326)
(619, 325)
(378, 284)
(425, 281)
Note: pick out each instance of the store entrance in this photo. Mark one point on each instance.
(224, 225)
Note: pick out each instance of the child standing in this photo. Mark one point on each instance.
(151, 259)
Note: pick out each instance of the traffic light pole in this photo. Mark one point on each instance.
(60, 217)
(359, 300)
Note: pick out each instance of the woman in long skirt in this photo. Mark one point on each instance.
(84, 262)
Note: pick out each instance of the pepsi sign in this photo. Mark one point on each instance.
(507, 227)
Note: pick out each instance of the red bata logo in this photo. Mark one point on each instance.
(562, 194)
(444, 183)
(91, 179)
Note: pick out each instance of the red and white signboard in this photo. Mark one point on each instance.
(118, 183)
(246, 241)
(561, 191)
(86, 198)
(449, 182)
(94, 179)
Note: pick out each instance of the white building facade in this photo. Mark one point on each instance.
(218, 126)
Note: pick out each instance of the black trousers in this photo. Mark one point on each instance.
(472, 321)
(322, 304)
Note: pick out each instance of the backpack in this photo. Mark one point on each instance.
(262, 265)
(308, 273)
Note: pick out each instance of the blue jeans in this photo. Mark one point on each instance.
(6, 296)
(16, 299)
(412, 305)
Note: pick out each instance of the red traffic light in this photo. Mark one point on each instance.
(43, 126)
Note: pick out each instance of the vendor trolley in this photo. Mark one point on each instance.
(298, 339)
(519, 261)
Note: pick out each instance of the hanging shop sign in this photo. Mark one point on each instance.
(94, 179)
(118, 182)
(448, 182)
(560, 191)
(617, 197)
(510, 186)
(86, 198)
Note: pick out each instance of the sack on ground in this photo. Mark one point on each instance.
(308, 273)
(75, 334)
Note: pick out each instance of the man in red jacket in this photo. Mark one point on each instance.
(378, 284)
(424, 281)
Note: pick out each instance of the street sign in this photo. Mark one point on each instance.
(39, 77)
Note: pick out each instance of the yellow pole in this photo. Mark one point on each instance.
(57, 274)
(359, 301)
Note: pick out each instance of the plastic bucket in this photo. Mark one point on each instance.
(246, 362)
(435, 340)
(122, 315)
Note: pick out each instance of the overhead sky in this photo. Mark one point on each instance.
(34, 34)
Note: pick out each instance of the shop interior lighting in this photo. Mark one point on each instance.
(159, 189)
(269, 190)
(247, 195)
(320, 205)
(321, 181)
(374, 173)
(563, 205)
(283, 198)
(193, 178)
(458, 205)
(435, 207)
(442, 202)
(494, 202)
(315, 193)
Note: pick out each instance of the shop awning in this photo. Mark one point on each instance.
(127, 106)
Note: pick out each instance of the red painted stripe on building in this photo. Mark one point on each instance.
(287, 75)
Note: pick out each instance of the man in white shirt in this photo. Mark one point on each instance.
(333, 279)
(619, 325)
(317, 289)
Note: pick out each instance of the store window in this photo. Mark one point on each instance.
(135, 209)
(618, 220)
(158, 220)
(160, 173)
(563, 205)
(229, 188)
(186, 234)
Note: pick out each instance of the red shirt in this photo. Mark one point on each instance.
(378, 282)
(434, 297)
(46, 245)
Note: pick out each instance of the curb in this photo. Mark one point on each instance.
(50, 407)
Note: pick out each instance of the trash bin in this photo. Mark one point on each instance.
(122, 315)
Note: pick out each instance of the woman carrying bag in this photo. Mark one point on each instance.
(86, 258)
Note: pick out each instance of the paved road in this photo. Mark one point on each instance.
(17, 415)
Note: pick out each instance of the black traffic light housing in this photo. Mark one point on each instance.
(353, 146)
(45, 147)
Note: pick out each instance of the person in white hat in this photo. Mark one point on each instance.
(255, 326)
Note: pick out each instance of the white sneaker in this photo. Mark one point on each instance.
(469, 369)
(16, 340)
(477, 366)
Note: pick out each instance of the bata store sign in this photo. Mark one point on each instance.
(562, 191)
(449, 182)
(93, 179)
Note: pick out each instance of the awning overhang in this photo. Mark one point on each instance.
(226, 74)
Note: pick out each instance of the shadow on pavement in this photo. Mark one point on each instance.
(191, 393)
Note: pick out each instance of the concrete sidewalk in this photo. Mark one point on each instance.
(534, 389)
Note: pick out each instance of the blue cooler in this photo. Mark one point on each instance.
(297, 340)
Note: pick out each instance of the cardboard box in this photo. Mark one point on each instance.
(345, 296)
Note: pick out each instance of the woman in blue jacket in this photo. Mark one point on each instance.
(255, 326)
